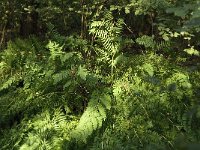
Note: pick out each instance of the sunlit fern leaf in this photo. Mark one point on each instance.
(55, 49)
(60, 76)
(107, 31)
(93, 116)
(146, 41)
(148, 68)
(181, 79)
(102, 112)
(44, 130)
(106, 101)
(58, 119)
(82, 72)
(9, 82)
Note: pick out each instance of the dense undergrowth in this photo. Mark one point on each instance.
(56, 100)
(105, 75)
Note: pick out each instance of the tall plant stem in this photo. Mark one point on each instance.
(3, 36)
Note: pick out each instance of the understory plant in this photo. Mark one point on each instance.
(100, 75)
(147, 106)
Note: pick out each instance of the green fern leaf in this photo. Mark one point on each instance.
(149, 69)
(66, 56)
(93, 116)
(82, 72)
(106, 101)
(9, 82)
(60, 76)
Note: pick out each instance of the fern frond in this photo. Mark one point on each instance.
(60, 76)
(13, 79)
(93, 116)
(55, 49)
(108, 32)
(146, 41)
(82, 72)
(162, 45)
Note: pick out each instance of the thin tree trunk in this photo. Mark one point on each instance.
(82, 20)
(2, 36)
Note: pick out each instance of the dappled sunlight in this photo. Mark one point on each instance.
(99, 75)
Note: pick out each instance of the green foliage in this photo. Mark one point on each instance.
(192, 51)
(43, 131)
(150, 44)
(146, 41)
(108, 32)
(146, 103)
(151, 103)
(62, 71)
(99, 74)
(184, 11)
(93, 116)
(144, 7)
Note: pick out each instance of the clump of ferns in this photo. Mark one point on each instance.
(151, 44)
(94, 115)
(108, 32)
(46, 130)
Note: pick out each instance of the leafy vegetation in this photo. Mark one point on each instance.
(99, 75)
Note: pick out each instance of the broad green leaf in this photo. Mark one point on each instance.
(192, 51)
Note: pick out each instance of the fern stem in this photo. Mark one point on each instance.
(112, 67)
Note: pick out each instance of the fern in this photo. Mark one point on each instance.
(93, 116)
(151, 44)
(162, 45)
(46, 131)
(55, 49)
(60, 76)
(82, 72)
(54, 34)
(108, 32)
(10, 81)
(181, 79)
(146, 41)
(148, 68)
